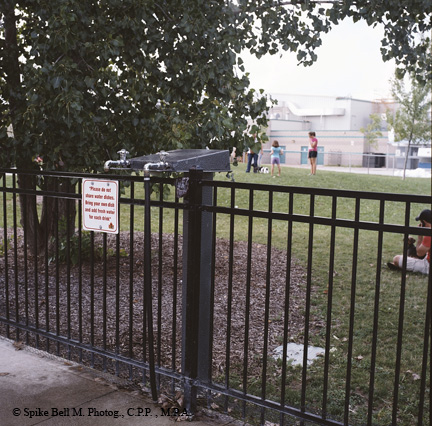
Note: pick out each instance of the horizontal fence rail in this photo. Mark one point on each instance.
(273, 304)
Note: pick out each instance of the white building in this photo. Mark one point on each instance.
(337, 122)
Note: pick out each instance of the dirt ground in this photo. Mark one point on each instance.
(87, 302)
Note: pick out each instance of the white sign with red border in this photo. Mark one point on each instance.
(100, 205)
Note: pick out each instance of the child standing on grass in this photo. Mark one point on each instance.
(276, 152)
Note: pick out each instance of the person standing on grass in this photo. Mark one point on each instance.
(260, 156)
(252, 161)
(313, 152)
(275, 154)
(253, 156)
(423, 246)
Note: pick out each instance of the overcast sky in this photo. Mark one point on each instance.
(349, 64)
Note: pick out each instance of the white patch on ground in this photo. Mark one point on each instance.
(295, 353)
(422, 173)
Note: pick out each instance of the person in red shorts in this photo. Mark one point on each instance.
(423, 249)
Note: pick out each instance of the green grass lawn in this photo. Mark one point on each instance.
(335, 180)
(365, 291)
(368, 269)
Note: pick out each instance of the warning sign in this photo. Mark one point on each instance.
(100, 205)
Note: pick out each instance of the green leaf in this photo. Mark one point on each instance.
(89, 82)
(56, 82)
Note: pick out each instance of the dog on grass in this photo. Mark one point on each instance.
(412, 250)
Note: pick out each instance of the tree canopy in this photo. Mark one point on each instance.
(81, 79)
(411, 123)
(372, 131)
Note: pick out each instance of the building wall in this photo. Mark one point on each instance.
(340, 148)
(337, 122)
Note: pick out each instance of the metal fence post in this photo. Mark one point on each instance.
(197, 258)
(148, 282)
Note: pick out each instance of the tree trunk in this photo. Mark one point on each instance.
(406, 157)
(57, 217)
(29, 213)
(58, 214)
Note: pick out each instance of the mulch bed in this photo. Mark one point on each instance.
(105, 299)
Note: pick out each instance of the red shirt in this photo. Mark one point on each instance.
(315, 140)
(427, 243)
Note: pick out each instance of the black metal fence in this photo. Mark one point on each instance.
(208, 294)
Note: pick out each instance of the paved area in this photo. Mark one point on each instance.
(40, 389)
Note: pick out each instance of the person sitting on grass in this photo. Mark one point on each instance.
(422, 247)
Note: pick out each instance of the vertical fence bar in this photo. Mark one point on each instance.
(148, 281)
(329, 309)
(229, 301)
(174, 305)
(36, 272)
(352, 311)
(287, 305)
(57, 268)
(247, 307)
(80, 270)
(427, 336)
(376, 315)
(104, 298)
(131, 276)
(212, 290)
(16, 268)
(92, 299)
(159, 298)
(144, 304)
(47, 292)
(68, 280)
(25, 240)
(117, 301)
(6, 256)
(308, 304)
(400, 326)
(267, 305)
(15, 253)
